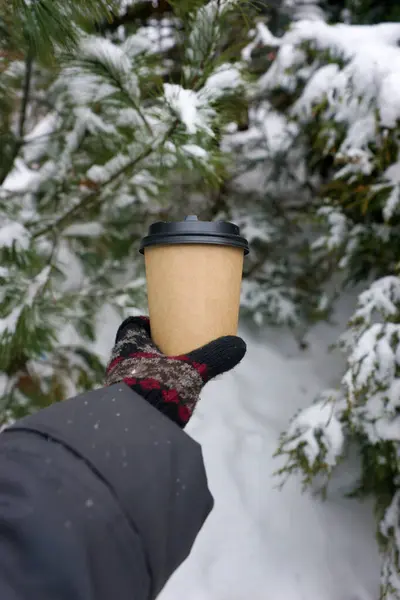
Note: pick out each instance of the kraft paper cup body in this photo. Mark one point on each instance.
(193, 294)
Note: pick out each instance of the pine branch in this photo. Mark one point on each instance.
(90, 198)
(18, 141)
(48, 25)
(110, 74)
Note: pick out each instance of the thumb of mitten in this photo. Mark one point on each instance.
(219, 356)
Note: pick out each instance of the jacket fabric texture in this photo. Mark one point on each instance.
(101, 498)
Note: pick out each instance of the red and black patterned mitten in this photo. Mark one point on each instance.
(172, 384)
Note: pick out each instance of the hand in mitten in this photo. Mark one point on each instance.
(172, 384)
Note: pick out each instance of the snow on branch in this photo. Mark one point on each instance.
(314, 441)
(13, 234)
(190, 108)
(372, 379)
(382, 298)
(9, 323)
(347, 77)
(371, 59)
(114, 72)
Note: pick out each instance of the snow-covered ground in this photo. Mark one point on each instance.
(262, 543)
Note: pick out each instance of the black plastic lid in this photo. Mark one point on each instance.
(193, 231)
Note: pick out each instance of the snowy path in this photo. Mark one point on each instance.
(260, 543)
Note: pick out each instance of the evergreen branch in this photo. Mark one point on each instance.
(18, 141)
(94, 64)
(47, 25)
(208, 57)
(43, 136)
(90, 198)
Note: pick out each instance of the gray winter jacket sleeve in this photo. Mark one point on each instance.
(101, 497)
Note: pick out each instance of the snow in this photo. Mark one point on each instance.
(262, 35)
(392, 203)
(20, 179)
(318, 85)
(373, 363)
(359, 89)
(195, 150)
(137, 44)
(70, 266)
(338, 229)
(389, 528)
(36, 142)
(14, 234)
(124, 5)
(392, 175)
(224, 79)
(128, 117)
(114, 58)
(318, 418)
(289, 56)
(93, 122)
(9, 323)
(36, 285)
(373, 63)
(371, 343)
(204, 32)
(85, 86)
(92, 229)
(303, 9)
(102, 174)
(254, 227)
(359, 161)
(382, 296)
(160, 34)
(187, 105)
(275, 303)
(269, 134)
(266, 36)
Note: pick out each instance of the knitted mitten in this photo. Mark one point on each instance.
(172, 384)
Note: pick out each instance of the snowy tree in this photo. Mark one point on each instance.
(366, 410)
(272, 195)
(99, 141)
(337, 88)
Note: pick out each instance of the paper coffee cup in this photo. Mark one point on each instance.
(194, 273)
